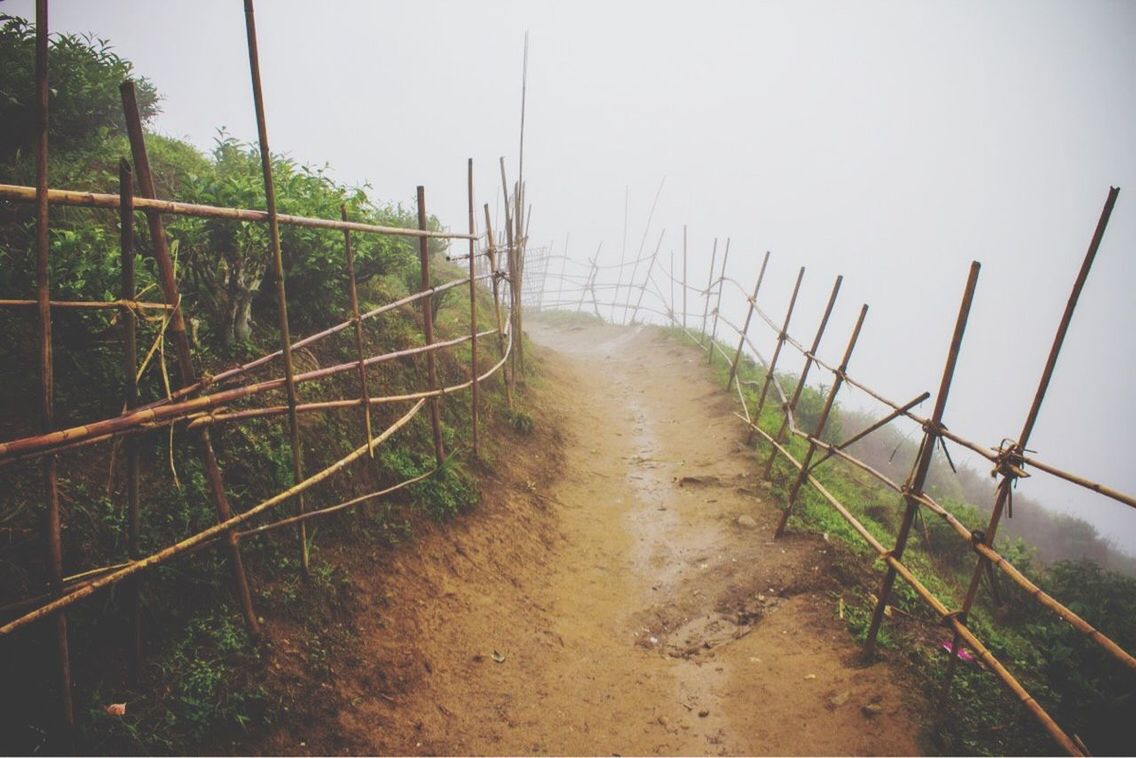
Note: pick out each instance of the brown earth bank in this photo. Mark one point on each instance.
(605, 598)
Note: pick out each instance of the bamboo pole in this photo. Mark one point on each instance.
(745, 327)
(771, 373)
(718, 303)
(684, 276)
(514, 285)
(592, 271)
(642, 244)
(120, 304)
(492, 252)
(168, 281)
(353, 291)
(473, 409)
(130, 380)
(46, 369)
(671, 306)
(563, 265)
(1006, 469)
(804, 377)
(647, 278)
(18, 193)
(278, 270)
(706, 294)
(428, 331)
(622, 251)
(821, 420)
(914, 486)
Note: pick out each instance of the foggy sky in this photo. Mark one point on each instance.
(890, 142)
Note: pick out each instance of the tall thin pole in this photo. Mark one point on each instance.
(428, 330)
(278, 270)
(642, 245)
(46, 368)
(709, 286)
(914, 489)
(563, 266)
(745, 326)
(771, 373)
(492, 252)
(622, 250)
(167, 279)
(472, 313)
(647, 278)
(364, 389)
(718, 304)
(684, 276)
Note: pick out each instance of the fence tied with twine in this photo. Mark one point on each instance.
(199, 402)
(695, 306)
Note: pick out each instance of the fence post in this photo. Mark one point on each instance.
(622, 251)
(365, 394)
(709, 286)
(428, 329)
(46, 369)
(278, 270)
(718, 303)
(821, 421)
(1010, 464)
(810, 357)
(130, 392)
(168, 280)
(745, 327)
(647, 278)
(684, 276)
(492, 252)
(913, 489)
(771, 373)
(563, 266)
(472, 314)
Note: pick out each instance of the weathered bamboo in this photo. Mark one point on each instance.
(592, 271)
(563, 265)
(834, 450)
(821, 420)
(492, 252)
(804, 377)
(208, 534)
(622, 251)
(120, 304)
(1007, 471)
(353, 291)
(473, 404)
(130, 392)
(771, 373)
(642, 244)
(168, 281)
(745, 328)
(647, 278)
(428, 331)
(511, 262)
(671, 305)
(684, 287)
(915, 482)
(46, 370)
(706, 294)
(98, 200)
(278, 271)
(718, 302)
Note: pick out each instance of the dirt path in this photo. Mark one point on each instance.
(620, 607)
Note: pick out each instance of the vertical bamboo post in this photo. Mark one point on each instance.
(130, 392)
(771, 373)
(46, 368)
(364, 389)
(428, 329)
(706, 299)
(674, 321)
(647, 278)
(718, 303)
(563, 266)
(278, 270)
(829, 402)
(1008, 476)
(639, 255)
(810, 357)
(491, 250)
(167, 278)
(684, 276)
(745, 326)
(514, 284)
(592, 284)
(622, 250)
(473, 370)
(913, 489)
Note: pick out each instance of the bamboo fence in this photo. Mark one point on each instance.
(198, 402)
(669, 297)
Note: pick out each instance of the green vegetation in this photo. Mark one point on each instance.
(1084, 689)
(204, 682)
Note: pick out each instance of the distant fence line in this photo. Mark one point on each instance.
(584, 287)
(202, 401)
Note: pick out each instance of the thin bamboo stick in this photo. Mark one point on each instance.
(745, 328)
(473, 404)
(46, 369)
(650, 268)
(98, 200)
(771, 373)
(353, 291)
(804, 377)
(497, 301)
(709, 286)
(821, 420)
(278, 269)
(918, 476)
(718, 303)
(428, 330)
(168, 281)
(684, 286)
(120, 304)
(622, 250)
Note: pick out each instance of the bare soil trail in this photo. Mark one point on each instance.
(608, 601)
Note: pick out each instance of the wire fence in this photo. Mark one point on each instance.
(197, 402)
(697, 306)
